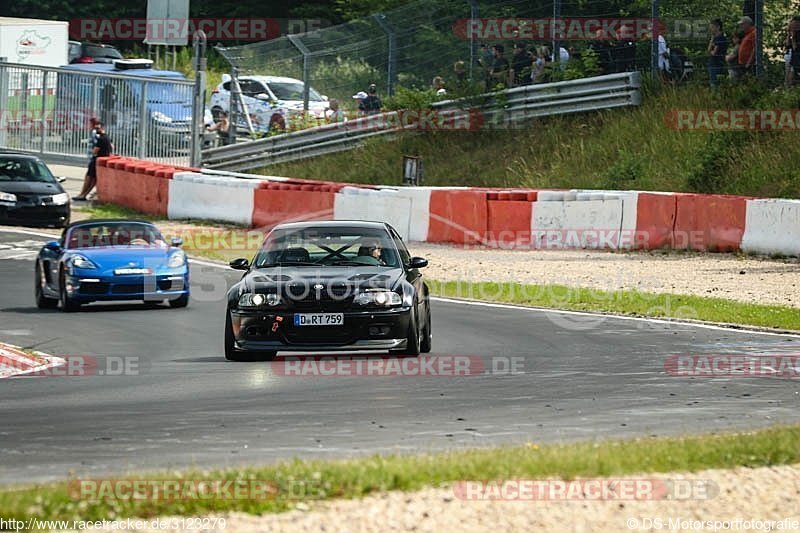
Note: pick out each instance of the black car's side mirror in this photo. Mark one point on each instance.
(417, 262)
(53, 246)
(240, 264)
(176, 241)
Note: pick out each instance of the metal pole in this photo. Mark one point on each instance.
(144, 123)
(295, 40)
(654, 44)
(556, 17)
(473, 14)
(4, 81)
(759, 22)
(391, 67)
(43, 113)
(199, 100)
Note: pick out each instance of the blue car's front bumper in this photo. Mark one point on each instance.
(159, 286)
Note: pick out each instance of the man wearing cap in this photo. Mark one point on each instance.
(747, 48)
(369, 103)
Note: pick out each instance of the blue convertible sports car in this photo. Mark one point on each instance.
(102, 260)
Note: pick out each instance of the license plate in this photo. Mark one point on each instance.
(124, 271)
(318, 319)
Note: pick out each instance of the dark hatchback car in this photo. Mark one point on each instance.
(30, 194)
(92, 53)
(331, 285)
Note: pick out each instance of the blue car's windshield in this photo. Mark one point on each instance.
(114, 234)
(24, 169)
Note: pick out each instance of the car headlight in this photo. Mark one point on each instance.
(258, 300)
(80, 261)
(60, 199)
(380, 297)
(8, 197)
(158, 116)
(178, 259)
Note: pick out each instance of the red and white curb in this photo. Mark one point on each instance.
(16, 362)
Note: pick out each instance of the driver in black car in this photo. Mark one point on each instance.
(374, 249)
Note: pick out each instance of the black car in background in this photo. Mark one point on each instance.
(30, 194)
(330, 285)
(92, 53)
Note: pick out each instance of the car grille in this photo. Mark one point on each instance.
(329, 299)
(94, 288)
(127, 289)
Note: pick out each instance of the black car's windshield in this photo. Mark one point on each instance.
(114, 234)
(24, 169)
(292, 91)
(325, 246)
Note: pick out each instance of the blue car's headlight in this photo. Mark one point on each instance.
(380, 297)
(79, 261)
(178, 259)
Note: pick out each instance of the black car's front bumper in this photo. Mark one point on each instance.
(35, 215)
(384, 329)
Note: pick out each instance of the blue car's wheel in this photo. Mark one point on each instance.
(181, 301)
(68, 305)
(42, 301)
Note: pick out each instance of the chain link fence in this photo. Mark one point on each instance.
(407, 47)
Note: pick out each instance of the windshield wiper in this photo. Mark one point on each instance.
(288, 263)
(354, 263)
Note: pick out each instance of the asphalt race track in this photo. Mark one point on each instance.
(580, 377)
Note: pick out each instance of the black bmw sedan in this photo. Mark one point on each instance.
(330, 285)
(30, 194)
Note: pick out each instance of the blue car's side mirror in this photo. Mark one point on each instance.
(54, 246)
(176, 241)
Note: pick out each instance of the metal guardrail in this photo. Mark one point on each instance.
(505, 109)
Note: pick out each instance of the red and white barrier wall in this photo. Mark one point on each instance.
(542, 219)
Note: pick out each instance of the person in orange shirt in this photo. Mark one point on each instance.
(747, 49)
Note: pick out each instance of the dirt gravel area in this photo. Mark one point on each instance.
(734, 277)
(737, 500)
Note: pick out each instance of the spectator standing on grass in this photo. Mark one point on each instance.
(333, 114)
(792, 47)
(717, 50)
(747, 48)
(460, 72)
(222, 127)
(663, 58)
(372, 104)
(360, 96)
(732, 59)
(438, 86)
(103, 148)
(602, 48)
(520, 65)
(498, 74)
(539, 74)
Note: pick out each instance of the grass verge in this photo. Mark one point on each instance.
(298, 481)
(625, 302)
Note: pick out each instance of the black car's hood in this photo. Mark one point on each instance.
(30, 187)
(366, 277)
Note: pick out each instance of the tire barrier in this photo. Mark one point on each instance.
(516, 218)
